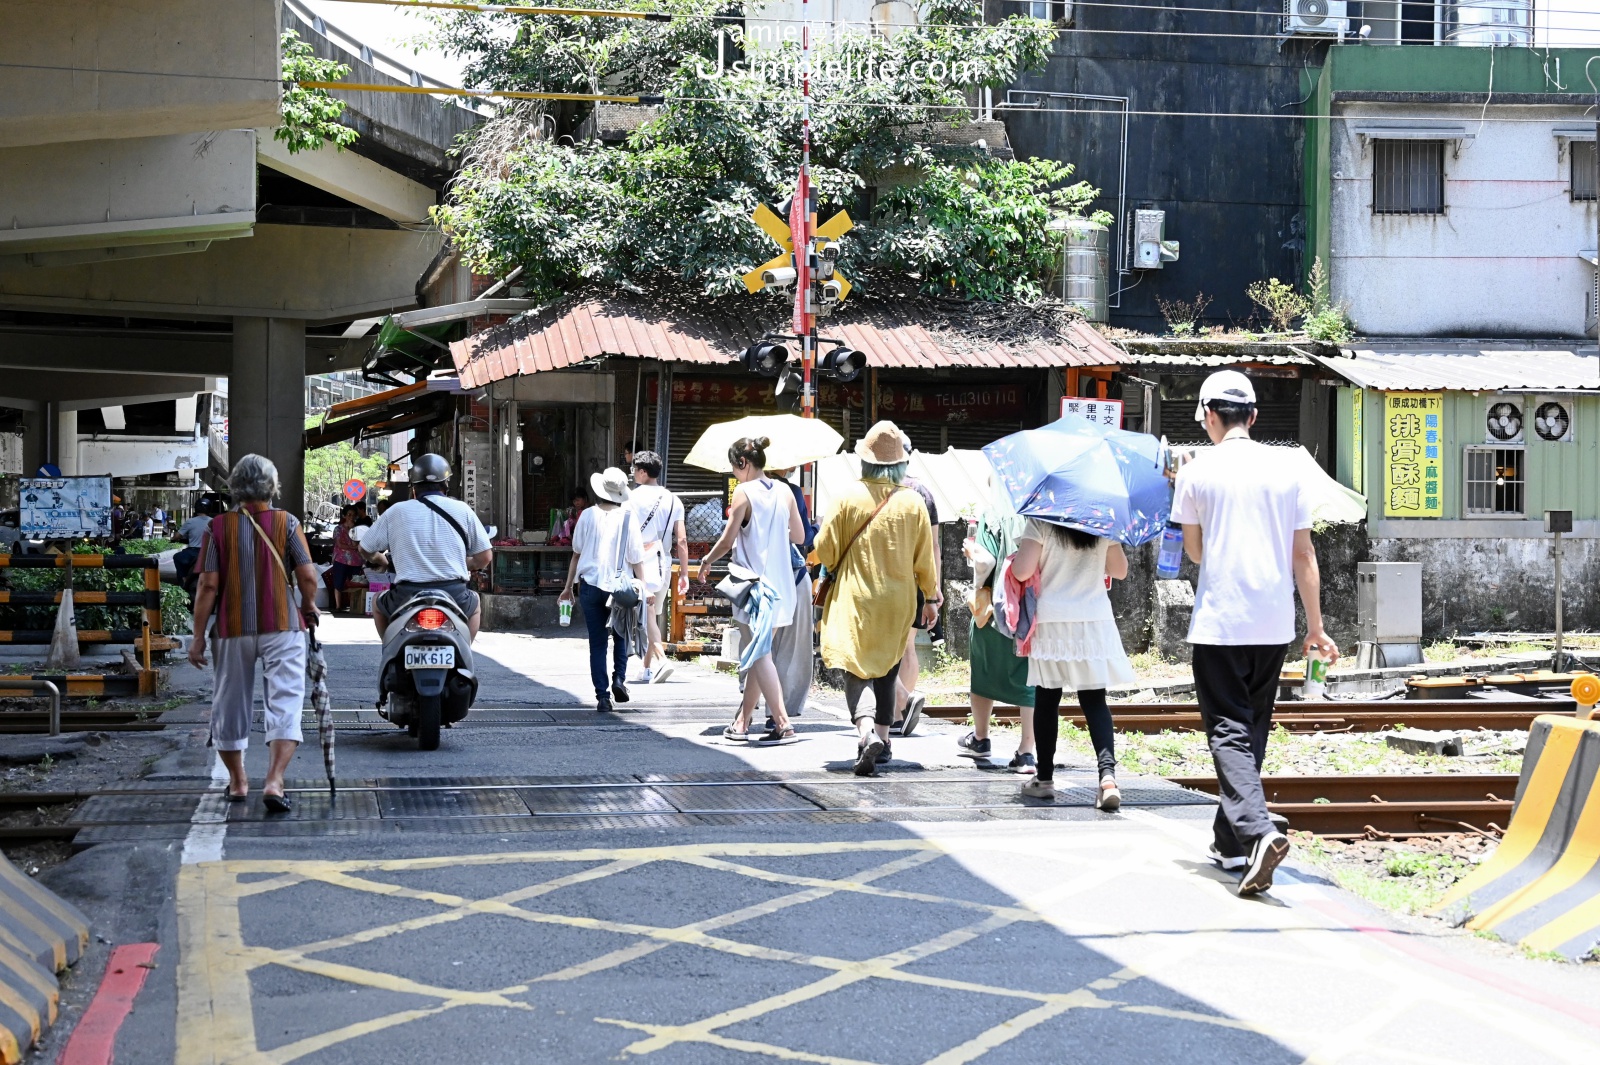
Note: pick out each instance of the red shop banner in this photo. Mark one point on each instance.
(752, 392)
(953, 403)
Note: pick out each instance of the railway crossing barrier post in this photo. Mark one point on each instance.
(41, 934)
(1541, 888)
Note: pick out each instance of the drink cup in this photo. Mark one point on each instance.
(565, 609)
(1316, 682)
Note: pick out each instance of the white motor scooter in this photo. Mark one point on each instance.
(425, 670)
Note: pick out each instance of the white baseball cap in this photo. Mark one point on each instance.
(1225, 386)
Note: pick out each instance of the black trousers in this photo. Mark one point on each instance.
(1047, 726)
(1237, 687)
(883, 693)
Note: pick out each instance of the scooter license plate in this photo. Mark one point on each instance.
(430, 657)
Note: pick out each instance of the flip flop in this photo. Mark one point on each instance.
(236, 797)
(276, 804)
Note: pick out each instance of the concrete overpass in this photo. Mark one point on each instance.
(157, 237)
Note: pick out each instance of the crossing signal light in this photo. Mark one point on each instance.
(842, 363)
(787, 395)
(765, 358)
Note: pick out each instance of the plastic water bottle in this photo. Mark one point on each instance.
(1171, 552)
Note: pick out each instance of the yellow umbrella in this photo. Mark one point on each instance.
(795, 441)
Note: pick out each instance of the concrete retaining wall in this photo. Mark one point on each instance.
(1469, 585)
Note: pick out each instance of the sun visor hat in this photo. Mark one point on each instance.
(1224, 386)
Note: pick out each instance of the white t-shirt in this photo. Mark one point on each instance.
(421, 544)
(1072, 581)
(1248, 500)
(604, 536)
(655, 512)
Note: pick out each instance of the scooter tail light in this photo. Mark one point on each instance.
(431, 618)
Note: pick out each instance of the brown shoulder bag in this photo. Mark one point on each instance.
(824, 588)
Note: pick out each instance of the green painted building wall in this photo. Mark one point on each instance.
(1558, 476)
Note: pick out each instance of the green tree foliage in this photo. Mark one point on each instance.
(674, 202)
(310, 116)
(328, 468)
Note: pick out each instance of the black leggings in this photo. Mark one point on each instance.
(883, 695)
(1047, 720)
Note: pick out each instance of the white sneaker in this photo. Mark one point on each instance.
(1268, 853)
(1039, 789)
(661, 673)
(1230, 864)
(644, 677)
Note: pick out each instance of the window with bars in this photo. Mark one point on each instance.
(1583, 173)
(1407, 177)
(1496, 482)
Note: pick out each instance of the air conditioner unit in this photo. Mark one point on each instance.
(1322, 17)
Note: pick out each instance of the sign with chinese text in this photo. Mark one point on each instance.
(1358, 448)
(953, 404)
(745, 392)
(1107, 412)
(64, 508)
(1413, 457)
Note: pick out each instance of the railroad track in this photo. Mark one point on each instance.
(1354, 806)
(1331, 716)
(1336, 806)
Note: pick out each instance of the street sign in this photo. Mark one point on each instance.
(1107, 412)
(355, 491)
(63, 508)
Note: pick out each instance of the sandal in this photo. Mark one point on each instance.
(276, 804)
(775, 737)
(236, 796)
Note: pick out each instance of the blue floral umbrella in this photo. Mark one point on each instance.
(1109, 482)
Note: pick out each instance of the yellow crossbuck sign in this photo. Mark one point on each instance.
(778, 230)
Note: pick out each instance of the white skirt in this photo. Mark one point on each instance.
(1078, 655)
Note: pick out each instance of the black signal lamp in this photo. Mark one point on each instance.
(842, 363)
(765, 358)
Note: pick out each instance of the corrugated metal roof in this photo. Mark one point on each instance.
(1158, 358)
(1476, 369)
(909, 333)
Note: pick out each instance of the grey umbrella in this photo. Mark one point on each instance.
(317, 674)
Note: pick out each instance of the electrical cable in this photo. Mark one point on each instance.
(513, 9)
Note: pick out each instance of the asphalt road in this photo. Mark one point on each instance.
(960, 936)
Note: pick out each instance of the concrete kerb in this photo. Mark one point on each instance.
(1541, 888)
(40, 935)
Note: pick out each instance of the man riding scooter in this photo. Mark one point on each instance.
(433, 542)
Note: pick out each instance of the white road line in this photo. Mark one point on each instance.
(209, 824)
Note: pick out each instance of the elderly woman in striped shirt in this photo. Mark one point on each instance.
(251, 560)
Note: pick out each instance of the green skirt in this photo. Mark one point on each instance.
(997, 672)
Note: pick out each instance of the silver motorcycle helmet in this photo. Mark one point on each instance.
(430, 469)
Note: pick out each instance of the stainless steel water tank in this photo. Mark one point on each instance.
(1492, 22)
(1085, 266)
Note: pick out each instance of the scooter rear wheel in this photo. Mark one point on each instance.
(429, 713)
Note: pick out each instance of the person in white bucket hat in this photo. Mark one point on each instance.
(607, 551)
(1247, 524)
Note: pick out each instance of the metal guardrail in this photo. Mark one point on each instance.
(9, 685)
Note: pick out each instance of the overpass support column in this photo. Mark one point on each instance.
(267, 399)
(67, 442)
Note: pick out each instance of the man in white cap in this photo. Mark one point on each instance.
(1247, 524)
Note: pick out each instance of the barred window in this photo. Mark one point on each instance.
(1583, 175)
(1407, 177)
(1496, 482)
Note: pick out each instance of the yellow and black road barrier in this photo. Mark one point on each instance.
(40, 935)
(1541, 888)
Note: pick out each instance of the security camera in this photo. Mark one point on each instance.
(828, 250)
(832, 291)
(779, 277)
(1366, 31)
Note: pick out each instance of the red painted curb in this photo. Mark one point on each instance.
(95, 1037)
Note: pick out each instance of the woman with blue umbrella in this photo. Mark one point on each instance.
(1086, 490)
